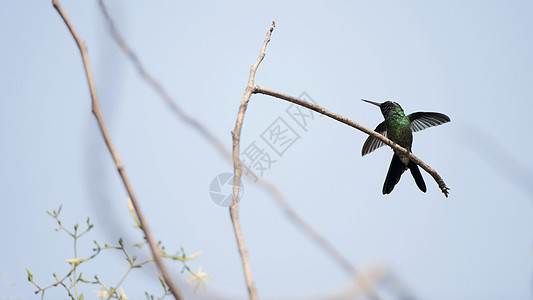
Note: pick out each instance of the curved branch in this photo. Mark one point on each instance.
(114, 153)
(261, 90)
(236, 133)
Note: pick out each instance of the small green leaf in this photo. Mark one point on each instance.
(30, 275)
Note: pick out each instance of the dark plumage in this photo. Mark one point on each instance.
(399, 128)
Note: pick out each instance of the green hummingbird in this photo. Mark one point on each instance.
(399, 128)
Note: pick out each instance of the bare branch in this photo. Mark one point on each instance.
(154, 247)
(261, 90)
(234, 208)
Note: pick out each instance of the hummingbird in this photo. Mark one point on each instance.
(399, 128)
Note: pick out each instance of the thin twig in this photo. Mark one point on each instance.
(114, 153)
(234, 209)
(261, 90)
(236, 133)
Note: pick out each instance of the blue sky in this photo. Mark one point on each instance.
(471, 60)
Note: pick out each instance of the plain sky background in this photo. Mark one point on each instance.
(472, 60)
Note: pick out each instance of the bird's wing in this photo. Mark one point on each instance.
(423, 120)
(371, 142)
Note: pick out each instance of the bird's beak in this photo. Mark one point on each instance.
(372, 102)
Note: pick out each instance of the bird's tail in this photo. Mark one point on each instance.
(415, 171)
(396, 169)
